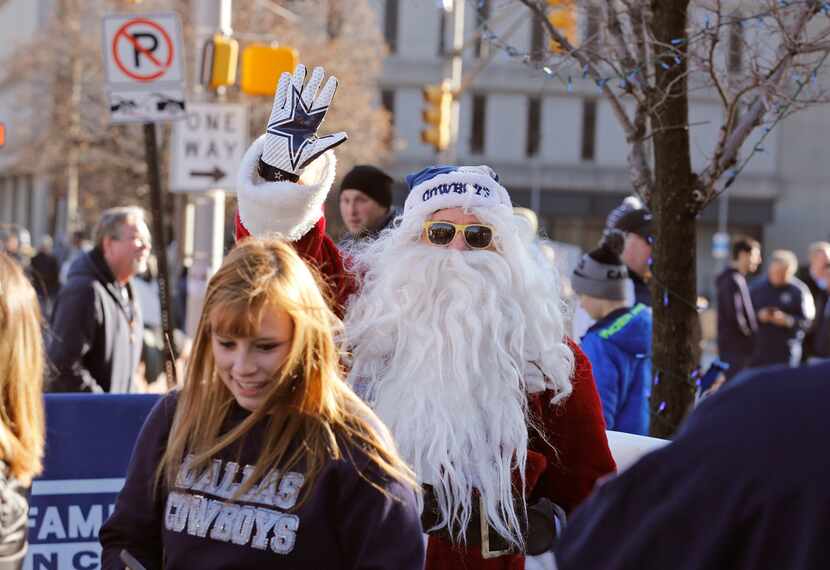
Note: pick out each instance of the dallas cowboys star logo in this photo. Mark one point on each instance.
(299, 127)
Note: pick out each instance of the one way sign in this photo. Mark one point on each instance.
(208, 147)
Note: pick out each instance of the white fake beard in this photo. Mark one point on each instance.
(440, 342)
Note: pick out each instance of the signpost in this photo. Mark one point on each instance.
(720, 244)
(89, 438)
(208, 146)
(143, 59)
(144, 67)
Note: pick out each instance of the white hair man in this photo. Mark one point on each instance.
(456, 339)
(457, 342)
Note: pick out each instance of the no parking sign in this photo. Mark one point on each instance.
(145, 74)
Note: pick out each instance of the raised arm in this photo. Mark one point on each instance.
(287, 173)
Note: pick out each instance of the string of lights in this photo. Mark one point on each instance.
(564, 67)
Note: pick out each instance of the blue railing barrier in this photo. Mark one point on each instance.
(89, 441)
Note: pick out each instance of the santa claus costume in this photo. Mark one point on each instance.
(461, 353)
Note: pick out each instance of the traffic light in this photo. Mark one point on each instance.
(219, 59)
(2, 134)
(262, 65)
(437, 115)
(562, 16)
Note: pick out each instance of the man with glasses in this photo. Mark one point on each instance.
(456, 340)
(96, 329)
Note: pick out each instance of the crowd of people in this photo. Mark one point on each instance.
(418, 396)
(780, 317)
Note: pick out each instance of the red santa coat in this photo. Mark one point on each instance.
(321, 253)
(565, 473)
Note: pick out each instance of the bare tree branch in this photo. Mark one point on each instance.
(639, 167)
(731, 140)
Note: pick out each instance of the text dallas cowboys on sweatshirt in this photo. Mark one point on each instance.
(196, 514)
(203, 522)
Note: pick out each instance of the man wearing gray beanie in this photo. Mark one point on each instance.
(619, 343)
(365, 204)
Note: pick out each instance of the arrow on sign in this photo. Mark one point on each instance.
(217, 173)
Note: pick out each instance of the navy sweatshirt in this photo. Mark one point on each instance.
(737, 322)
(774, 344)
(743, 486)
(344, 524)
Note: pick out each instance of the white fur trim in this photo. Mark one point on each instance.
(457, 189)
(286, 208)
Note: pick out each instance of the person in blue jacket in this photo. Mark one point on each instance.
(619, 343)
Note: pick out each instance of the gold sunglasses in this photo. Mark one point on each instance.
(477, 236)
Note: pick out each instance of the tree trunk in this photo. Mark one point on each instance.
(674, 281)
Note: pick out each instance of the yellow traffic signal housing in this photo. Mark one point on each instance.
(437, 115)
(262, 65)
(225, 56)
(562, 16)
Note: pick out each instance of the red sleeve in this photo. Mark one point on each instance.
(319, 251)
(576, 430)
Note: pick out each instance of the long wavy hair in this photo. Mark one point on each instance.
(22, 428)
(311, 412)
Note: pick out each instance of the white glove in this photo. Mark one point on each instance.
(291, 141)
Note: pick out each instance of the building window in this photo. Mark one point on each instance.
(30, 189)
(482, 18)
(735, 56)
(4, 200)
(387, 101)
(390, 27)
(534, 126)
(27, 187)
(13, 187)
(589, 128)
(478, 128)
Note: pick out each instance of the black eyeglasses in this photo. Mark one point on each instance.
(477, 236)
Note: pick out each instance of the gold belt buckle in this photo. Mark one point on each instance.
(486, 553)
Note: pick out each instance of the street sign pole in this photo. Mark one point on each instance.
(453, 72)
(144, 69)
(151, 155)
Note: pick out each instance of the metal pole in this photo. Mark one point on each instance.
(151, 155)
(206, 227)
(453, 72)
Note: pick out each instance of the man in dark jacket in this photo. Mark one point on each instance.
(637, 225)
(740, 487)
(784, 310)
(737, 323)
(96, 331)
(815, 276)
(365, 204)
(45, 272)
(619, 343)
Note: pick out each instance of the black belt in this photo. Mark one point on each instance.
(540, 527)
